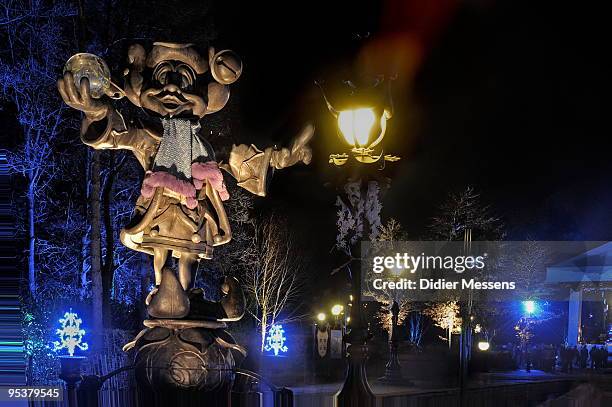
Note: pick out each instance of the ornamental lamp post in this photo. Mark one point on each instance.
(393, 372)
(361, 124)
(70, 336)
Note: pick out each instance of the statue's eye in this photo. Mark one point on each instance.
(187, 76)
(160, 74)
(184, 82)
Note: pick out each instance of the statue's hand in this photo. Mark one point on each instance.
(299, 151)
(80, 99)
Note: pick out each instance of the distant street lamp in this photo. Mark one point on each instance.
(484, 346)
(321, 317)
(337, 310)
(529, 307)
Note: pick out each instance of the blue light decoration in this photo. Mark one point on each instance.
(275, 340)
(530, 307)
(70, 334)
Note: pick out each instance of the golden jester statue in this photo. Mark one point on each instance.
(180, 209)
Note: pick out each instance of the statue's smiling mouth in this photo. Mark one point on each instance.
(172, 101)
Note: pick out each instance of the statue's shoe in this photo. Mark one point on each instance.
(170, 301)
(234, 302)
(230, 308)
(151, 294)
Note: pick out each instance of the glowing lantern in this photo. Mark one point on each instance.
(362, 127)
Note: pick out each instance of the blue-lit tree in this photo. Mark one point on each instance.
(33, 53)
(42, 363)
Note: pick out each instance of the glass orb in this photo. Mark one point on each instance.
(92, 67)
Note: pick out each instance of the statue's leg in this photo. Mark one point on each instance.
(159, 261)
(187, 264)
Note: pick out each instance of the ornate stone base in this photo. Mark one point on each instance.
(181, 354)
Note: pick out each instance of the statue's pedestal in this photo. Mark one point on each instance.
(184, 363)
(185, 356)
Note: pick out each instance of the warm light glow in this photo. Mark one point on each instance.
(356, 125)
(321, 316)
(348, 319)
(477, 329)
(337, 309)
(484, 346)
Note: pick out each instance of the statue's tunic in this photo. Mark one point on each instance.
(180, 206)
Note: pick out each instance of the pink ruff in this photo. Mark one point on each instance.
(209, 171)
(200, 173)
(154, 179)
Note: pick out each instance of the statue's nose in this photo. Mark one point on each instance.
(172, 88)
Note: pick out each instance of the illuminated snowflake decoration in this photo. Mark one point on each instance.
(275, 341)
(70, 334)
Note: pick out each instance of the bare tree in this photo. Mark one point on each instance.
(459, 215)
(526, 265)
(463, 211)
(446, 316)
(387, 235)
(274, 276)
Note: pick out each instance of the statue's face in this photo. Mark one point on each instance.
(175, 80)
(174, 91)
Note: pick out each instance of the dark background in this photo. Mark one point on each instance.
(510, 98)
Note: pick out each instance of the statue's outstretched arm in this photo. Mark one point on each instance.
(251, 166)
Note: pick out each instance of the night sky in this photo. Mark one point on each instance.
(509, 98)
